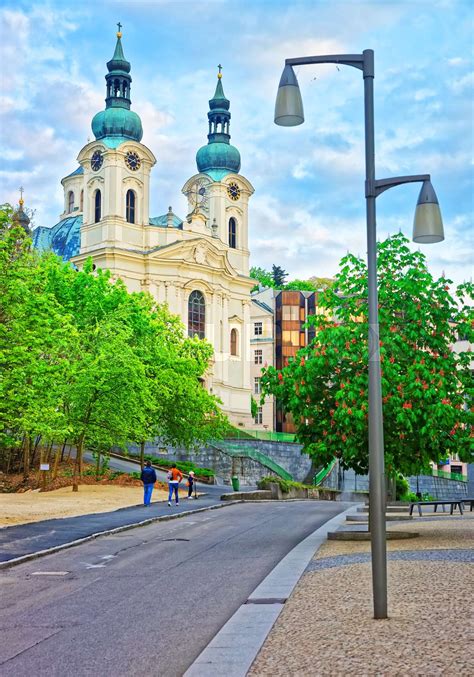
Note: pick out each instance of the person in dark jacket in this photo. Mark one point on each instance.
(148, 477)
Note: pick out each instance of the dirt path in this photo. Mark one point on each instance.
(34, 506)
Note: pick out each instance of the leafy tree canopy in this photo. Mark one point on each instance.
(84, 359)
(427, 386)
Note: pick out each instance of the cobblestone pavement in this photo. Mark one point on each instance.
(326, 627)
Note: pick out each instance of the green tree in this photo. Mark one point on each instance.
(279, 276)
(263, 277)
(427, 387)
(301, 285)
(36, 339)
(83, 360)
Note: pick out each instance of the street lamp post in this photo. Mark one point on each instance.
(427, 227)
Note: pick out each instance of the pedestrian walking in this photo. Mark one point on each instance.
(174, 478)
(190, 484)
(148, 477)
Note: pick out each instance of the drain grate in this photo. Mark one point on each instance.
(267, 600)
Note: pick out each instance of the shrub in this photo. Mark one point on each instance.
(403, 487)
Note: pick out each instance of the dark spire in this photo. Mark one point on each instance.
(219, 115)
(19, 217)
(118, 78)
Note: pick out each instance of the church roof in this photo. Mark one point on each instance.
(64, 239)
(162, 221)
(76, 172)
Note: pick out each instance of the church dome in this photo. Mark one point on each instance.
(218, 156)
(117, 122)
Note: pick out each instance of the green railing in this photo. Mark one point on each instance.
(450, 475)
(255, 455)
(323, 473)
(265, 435)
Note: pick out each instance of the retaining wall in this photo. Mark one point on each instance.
(286, 454)
(224, 465)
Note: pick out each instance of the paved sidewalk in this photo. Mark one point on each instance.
(25, 539)
(326, 627)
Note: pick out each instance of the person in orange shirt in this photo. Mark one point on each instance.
(174, 478)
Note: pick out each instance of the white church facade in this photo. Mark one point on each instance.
(199, 265)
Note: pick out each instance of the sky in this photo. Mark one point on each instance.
(308, 208)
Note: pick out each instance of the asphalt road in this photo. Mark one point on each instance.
(145, 601)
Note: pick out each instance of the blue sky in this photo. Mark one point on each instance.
(308, 208)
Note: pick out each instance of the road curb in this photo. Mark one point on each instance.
(236, 645)
(125, 527)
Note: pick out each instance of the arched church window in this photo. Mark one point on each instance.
(130, 206)
(232, 233)
(197, 315)
(233, 342)
(117, 87)
(70, 201)
(82, 200)
(97, 206)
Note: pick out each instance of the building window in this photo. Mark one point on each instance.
(97, 206)
(257, 388)
(259, 416)
(70, 201)
(82, 201)
(197, 315)
(130, 206)
(232, 233)
(233, 342)
(258, 329)
(258, 357)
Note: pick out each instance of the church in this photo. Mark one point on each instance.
(198, 265)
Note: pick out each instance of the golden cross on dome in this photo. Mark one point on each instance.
(119, 32)
(21, 189)
(219, 75)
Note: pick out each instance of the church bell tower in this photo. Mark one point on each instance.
(116, 168)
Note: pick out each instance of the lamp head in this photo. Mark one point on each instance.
(427, 224)
(288, 105)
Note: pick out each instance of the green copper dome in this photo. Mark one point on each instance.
(117, 121)
(218, 157)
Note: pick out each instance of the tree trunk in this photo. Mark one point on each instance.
(97, 465)
(48, 453)
(26, 457)
(56, 463)
(142, 455)
(62, 450)
(35, 448)
(78, 464)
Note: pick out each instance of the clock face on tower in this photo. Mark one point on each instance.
(132, 161)
(233, 191)
(96, 161)
(198, 195)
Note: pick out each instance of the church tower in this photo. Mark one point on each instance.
(116, 168)
(218, 195)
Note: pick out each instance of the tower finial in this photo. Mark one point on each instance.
(219, 74)
(119, 32)
(21, 201)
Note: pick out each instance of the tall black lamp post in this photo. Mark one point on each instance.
(427, 227)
